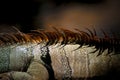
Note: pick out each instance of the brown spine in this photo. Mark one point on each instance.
(64, 37)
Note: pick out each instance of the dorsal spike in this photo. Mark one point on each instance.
(104, 33)
(90, 32)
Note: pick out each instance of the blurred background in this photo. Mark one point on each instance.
(27, 15)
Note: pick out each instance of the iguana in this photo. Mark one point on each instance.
(59, 54)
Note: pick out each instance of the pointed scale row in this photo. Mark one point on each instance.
(64, 37)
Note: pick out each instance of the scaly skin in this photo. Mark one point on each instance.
(14, 60)
(67, 62)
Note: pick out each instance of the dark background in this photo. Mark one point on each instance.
(18, 12)
(23, 13)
